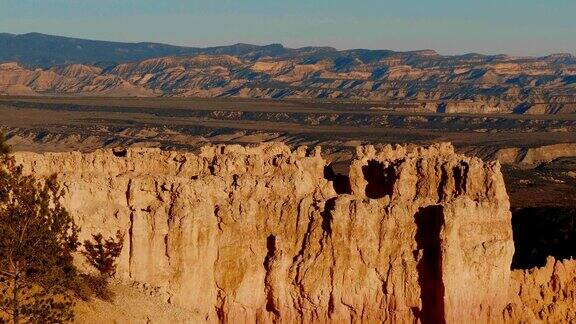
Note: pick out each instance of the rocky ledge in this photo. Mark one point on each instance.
(244, 234)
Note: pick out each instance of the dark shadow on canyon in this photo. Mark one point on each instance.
(380, 179)
(429, 223)
(540, 232)
(341, 182)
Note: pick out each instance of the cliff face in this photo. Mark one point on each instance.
(265, 233)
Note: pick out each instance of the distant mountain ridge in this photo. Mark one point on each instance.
(415, 80)
(41, 50)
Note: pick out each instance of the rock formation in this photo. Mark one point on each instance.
(72, 79)
(546, 294)
(244, 234)
(406, 81)
(532, 157)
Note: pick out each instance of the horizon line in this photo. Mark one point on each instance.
(437, 52)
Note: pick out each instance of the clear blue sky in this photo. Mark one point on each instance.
(519, 27)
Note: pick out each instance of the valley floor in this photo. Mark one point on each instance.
(42, 124)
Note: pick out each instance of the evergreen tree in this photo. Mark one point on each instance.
(37, 239)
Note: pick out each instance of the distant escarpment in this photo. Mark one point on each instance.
(417, 81)
(245, 234)
(533, 157)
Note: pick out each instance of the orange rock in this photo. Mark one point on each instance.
(247, 234)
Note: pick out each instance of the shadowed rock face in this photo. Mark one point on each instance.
(241, 234)
(429, 223)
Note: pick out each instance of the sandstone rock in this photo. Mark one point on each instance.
(244, 234)
(532, 157)
(544, 295)
(548, 153)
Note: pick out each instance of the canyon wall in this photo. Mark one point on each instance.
(244, 234)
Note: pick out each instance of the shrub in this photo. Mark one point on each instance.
(102, 253)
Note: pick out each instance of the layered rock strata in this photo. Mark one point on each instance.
(415, 81)
(244, 234)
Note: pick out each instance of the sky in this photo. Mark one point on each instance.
(516, 27)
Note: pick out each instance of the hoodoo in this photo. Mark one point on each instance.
(244, 234)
